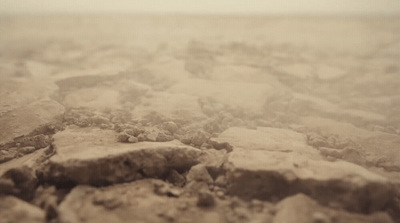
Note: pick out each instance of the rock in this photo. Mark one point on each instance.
(170, 126)
(27, 150)
(152, 136)
(38, 141)
(176, 178)
(130, 202)
(13, 210)
(92, 156)
(220, 181)
(199, 138)
(199, 173)
(141, 137)
(383, 151)
(300, 208)
(165, 189)
(6, 157)
(205, 199)
(30, 107)
(270, 164)
(123, 137)
(47, 199)
(163, 137)
(17, 177)
(133, 139)
(330, 152)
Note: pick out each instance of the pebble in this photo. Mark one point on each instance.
(199, 173)
(133, 139)
(170, 126)
(176, 178)
(123, 137)
(205, 199)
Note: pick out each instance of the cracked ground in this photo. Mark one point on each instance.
(199, 119)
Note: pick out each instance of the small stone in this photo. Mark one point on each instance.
(162, 137)
(170, 126)
(136, 131)
(133, 139)
(123, 137)
(330, 152)
(130, 132)
(27, 149)
(38, 141)
(220, 194)
(186, 139)
(141, 137)
(199, 173)
(205, 199)
(200, 137)
(151, 136)
(220, 181)
(164, 189)
(176, 178)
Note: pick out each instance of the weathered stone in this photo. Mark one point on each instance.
(123, 137)
(47, 199)
(271, 164)
(38, 141)
(132, 139)
(205, 199)
(199, 173)
(92, 156)
(13, 210)
(170, 126)
(200, 137)
(162, 137)
(300, 208)
(131, 202)
(17, 177)
(30, 107)
(176, 178)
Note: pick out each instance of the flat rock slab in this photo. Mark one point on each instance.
(26, 106)
(93, 156)
(131, 202)
(270, 163)
(13, 210)
(302, 209)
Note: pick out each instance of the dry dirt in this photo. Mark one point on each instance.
(199, 119)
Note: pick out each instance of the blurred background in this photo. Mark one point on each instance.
(202, 7)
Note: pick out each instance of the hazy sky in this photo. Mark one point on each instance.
(202, 6)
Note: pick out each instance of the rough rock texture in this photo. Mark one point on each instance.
(25, 107)
(125, 202)
(270, 163)
(13, 210)
(93, 156)
(300, 208)
(17, 177)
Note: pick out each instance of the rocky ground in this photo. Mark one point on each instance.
(199, 119)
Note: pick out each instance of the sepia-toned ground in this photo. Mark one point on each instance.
(199, 119)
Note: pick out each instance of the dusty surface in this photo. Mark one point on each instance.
(199, 119)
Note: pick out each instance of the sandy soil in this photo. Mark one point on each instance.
(199, 119)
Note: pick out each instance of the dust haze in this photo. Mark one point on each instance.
(200, 112)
